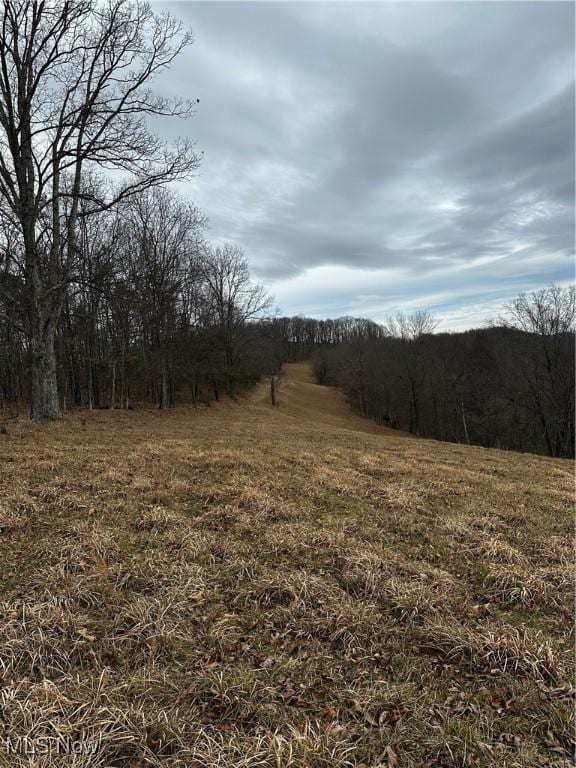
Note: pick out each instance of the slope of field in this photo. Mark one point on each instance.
(288, 587)
(304, 401)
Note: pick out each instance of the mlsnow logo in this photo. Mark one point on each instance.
(50, 745)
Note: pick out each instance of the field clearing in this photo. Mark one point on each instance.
(290, 587)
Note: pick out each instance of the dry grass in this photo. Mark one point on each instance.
(282, 588)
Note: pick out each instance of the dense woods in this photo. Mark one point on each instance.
(298, 337)
(152, 311)
(507, 386)
(108, 292)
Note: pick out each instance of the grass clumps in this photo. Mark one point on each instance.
(282, 588)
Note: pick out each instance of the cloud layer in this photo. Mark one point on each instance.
(377, 157)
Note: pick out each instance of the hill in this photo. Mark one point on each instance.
(244, 585)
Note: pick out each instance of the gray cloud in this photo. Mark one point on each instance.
(407, 144)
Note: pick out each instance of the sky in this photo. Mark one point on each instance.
(372, 158)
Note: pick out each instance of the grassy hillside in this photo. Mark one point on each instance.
(290, 587)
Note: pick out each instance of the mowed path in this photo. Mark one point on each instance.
(300, 398)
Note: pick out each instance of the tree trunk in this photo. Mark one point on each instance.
(464, 422)
(193, 389)
(113, 385)
(90, 384)
(414, 415)
(164, 399)
(123, 391)
(45, 404)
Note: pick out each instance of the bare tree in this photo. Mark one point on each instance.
(162, 243)
(411, 326)
(231, 301)
(74, 87)
(549, 314)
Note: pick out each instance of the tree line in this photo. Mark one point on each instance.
(152, 312)
(108, 291)
(510, 385)
(297, 337)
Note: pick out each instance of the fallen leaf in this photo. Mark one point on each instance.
(391, 755)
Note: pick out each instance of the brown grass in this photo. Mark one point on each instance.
(288, 587)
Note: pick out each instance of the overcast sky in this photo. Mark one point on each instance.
(377, 157)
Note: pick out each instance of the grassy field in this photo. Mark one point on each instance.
(288, 587)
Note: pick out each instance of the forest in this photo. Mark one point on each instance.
(112, 295)
(151, 314)
(507, 386)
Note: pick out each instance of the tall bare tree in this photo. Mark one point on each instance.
(411, 326)
(162, 249)
(231, 300)
(548, 314)
(75, 96)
